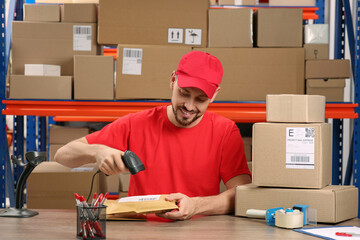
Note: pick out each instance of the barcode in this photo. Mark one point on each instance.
(310, 132)
(86, 30)
(300, 159)
(132, 53)
(147, 199)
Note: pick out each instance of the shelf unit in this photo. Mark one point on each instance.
(37, 111)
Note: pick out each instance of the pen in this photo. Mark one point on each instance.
(93, 221)
(94, 199)
(103, 200)
(347, 234)
(99, 199)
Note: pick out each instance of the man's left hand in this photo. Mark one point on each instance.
(187, 207)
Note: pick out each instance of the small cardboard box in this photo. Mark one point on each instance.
(93, 77)
(63, 135)
(40, 87)
(292, 155)
(79, 12)
(52, 186)
(278, 27)
(159, 22)
(42, 12)
(338, 68)
(316, 51)
(143, 71)
(332, 89)
(230, 27)
(333, 203)
(316, 33)
(51, 43)
(295, 108)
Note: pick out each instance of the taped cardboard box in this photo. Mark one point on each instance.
(42, 12)
(63, 135)
(51, 43)
(52, 186)
(332, 89)
(337, 68)
(40, 87)
(143, 71)
(316, 51)
(278, 27)
(230, 27)
(252, 73)
(292, 155)
(94, 77)
(333, 204)
(79, 12)
(158, 22)
(295, 108)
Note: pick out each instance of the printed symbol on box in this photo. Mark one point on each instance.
(132, 61)
(175, 35)
(192, 36)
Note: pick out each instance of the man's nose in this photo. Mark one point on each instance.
(190, 105)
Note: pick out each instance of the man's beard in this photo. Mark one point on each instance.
(184, 121)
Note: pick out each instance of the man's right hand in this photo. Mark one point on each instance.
(109, 160)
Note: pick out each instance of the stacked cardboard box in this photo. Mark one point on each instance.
(292, 161)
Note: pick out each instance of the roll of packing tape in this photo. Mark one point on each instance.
(294, 219)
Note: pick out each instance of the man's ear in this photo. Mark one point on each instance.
(172, 79)
(216, 92)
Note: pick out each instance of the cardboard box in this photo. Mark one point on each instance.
(333, 204)
(79, 12)
(42, 12)
(51, 43)
(247, 147)
(52, 186)
(278, 27)
(316, 51)
(292, 155)
(295, 108)
(338, 68)
(252, 73)
(53, 149)
(332, 89)
(307, 3)
(159, 22)
(112, 183)
(40, 87)
(63, 135)
(42, 70)
(238, 2)
(94, 77)
(124, 181)
(143, 71)
(316, 33)
(230, 27)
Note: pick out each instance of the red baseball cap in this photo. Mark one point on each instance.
(200, 70)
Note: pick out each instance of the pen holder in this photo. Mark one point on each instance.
(91, 222)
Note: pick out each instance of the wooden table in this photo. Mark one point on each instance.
(61, 224)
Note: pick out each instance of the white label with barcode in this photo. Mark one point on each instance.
(300, 147)
(132, 61)
(82, 38)
(140, 198)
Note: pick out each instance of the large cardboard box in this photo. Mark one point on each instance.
(230, 27)
(94, 77)
(252, 73)
(332, 89)
(316, 51)
(42, 12)
(63, 135)
(79, 12)
(143, 71)
(333, 204)
(292, 155)
(338, 68)
(159, 22)
(278, 27)
(40, 87)
(295, 108)
(51, 43)
(52, 186)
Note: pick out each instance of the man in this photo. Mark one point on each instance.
(186, 150)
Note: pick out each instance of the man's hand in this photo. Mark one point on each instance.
(109, 160)
(187, 207)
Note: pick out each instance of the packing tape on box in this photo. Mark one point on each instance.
(289, 219)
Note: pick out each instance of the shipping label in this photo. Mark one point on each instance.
(132, 61)
(140, 198)
(82, 38)
(300, 147)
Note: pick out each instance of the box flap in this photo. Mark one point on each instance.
(326, 83)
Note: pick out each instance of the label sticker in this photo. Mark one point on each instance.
(300, 148)
(192, 36)
(82, 38)
(140, 198)
(82, 169)
(175, 35)
(132, 61)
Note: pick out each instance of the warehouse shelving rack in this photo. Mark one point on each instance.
(37, 111)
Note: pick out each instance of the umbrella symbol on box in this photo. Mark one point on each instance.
(193, 35)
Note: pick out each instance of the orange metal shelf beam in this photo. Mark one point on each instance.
(108, 111)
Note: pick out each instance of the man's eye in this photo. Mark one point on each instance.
(183, 93)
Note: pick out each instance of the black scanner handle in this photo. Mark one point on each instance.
(132, 162)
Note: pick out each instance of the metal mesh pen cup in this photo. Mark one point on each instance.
(90, 222)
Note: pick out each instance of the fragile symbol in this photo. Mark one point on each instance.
(193, 35)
